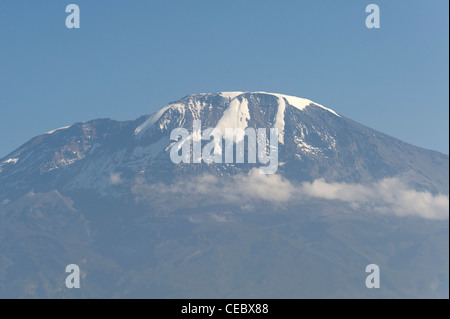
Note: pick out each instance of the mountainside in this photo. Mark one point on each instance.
(105, 195)
(314, 142)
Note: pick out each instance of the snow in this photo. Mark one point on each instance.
(306, 148)
(325, 108)
(11, 160)
(61, 128)
(235, 116)
(298, 102)
(294, 101)
(231, 95)
(195, 107)
(279, 121)
(66, 161)
(153, 118)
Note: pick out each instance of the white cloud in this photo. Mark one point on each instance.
(219, 218)
(388, 195)
(115, 179)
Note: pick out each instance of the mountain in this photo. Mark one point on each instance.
(106, 196)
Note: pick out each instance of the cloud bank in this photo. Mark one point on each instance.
(388, 196)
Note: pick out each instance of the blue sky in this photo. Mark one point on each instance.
(130, 58)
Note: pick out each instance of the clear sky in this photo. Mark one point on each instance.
(132, 57)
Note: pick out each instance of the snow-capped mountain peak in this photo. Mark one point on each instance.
(314, 142)
(297, 102)
(235, 112)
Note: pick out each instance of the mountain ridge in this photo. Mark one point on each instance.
(107, 197)
(313, 134)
